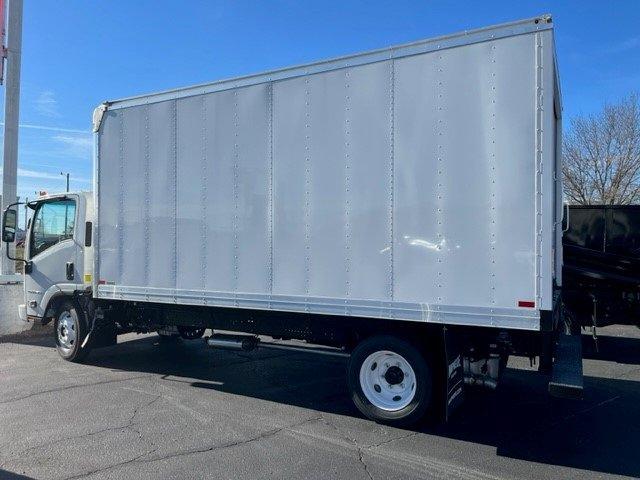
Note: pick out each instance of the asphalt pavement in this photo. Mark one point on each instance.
(146, 410)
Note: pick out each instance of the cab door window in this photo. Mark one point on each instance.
(53, 223)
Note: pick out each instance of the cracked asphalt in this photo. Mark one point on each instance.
(147, 410)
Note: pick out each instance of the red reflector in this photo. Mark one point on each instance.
(526, 303)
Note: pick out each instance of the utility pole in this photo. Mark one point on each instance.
(67, 174)
(11, 118)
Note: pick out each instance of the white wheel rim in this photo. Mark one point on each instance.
(387, 380)
(66, 331)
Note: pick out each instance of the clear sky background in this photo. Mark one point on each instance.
(77, 53)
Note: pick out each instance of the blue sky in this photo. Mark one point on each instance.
(77, 53)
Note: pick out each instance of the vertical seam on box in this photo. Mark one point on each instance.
(203, 198)
(175, 201)
(538, 164)
(96, 223)
(236, 266)
(392, 106)
(347, 193)
(121, 212)
(440, 192)
(307, 192)
(147, 201)
(270, 207)
(492, 184)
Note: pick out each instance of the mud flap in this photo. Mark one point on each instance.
(566, 377)
(454, 372)
(103, 331)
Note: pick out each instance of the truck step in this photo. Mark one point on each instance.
(566, 377)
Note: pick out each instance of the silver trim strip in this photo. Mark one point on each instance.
(512, 318)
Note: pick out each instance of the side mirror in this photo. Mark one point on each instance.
(9, 225)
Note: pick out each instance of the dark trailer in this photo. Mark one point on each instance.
(601, 272)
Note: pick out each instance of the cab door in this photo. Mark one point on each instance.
(53, 251)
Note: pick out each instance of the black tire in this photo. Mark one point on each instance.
(416, 409)
(70, 331)
(191, 333)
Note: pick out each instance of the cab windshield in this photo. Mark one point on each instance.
(53, 223)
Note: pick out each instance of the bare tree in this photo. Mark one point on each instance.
(601, 155)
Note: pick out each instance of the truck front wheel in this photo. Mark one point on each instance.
(70, 331)
(390, 380)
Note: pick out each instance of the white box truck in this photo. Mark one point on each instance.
(401, 207)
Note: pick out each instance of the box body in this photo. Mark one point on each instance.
(414, 183)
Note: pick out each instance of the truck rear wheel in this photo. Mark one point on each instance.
(70, 332)
(390, 380)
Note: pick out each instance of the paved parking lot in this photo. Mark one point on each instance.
(145, 410)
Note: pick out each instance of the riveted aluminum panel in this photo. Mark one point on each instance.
(466, 179)
(220, 140)
(418, 238)
(252, 188)
(368, 176)
(108, 178)
(414, 183)
(514, 171)
(131, 196)
(191, 178)
(332, 226)
(550, 201)
(240, 160)
(464, 147)
(162, 195)
(324, 215)
(290, 189)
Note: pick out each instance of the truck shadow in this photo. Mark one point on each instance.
(520, 420)
(597, 434)
(7, 475)
(40, 336)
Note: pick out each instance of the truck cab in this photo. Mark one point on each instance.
(58, 255)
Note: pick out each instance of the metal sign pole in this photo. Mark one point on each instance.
(11, 117)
